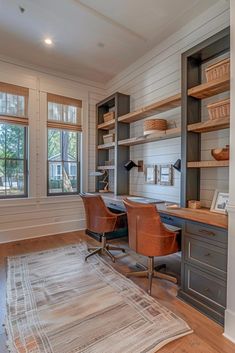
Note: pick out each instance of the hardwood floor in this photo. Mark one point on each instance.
(207, 336)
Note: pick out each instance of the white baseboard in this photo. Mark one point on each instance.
(229, 329)
(39, 230)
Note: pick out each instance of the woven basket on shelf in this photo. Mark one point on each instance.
(154, 125)
(108, 116)
(218, 70)
(108, 138)
(194, 204)
(219, 110)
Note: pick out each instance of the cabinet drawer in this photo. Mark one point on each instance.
(206, 288)
(174, 221)
(207, 233)
(205, 255)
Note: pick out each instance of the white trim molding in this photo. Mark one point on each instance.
(41, 230)
(229, 325)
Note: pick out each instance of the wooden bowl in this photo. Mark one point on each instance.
(221, 154)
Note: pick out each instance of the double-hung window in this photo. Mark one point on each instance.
(64, 140)
(13, 141)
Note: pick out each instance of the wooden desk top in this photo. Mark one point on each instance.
(199, 215)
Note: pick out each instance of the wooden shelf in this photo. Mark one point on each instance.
(109, 125)
(163, 135)
(208, 164)
(106, 167)
(152, 109)
(210, 125)
(210, 89)
(106, 146)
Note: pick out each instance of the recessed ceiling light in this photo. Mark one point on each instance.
(48, 41)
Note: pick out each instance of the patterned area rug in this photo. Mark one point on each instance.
(57, 303)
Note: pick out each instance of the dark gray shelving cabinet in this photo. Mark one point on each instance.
(118, 176)
(204, 247)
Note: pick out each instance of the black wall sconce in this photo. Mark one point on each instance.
(130, 164)
(177, 165)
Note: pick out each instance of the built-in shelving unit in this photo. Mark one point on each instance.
(210, 125)
(111, 152)
(152, 109)
(120, 103)
(208, 164)
(209, 89)
(161, 135)
(202, 286)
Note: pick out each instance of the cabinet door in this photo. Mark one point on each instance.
(207, 256)
(208, 289)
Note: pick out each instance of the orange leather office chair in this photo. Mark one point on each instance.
(101, 220)
(148, 236)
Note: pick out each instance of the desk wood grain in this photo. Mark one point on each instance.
(199, 215)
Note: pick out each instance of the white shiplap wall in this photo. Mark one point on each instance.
(40, 215)
(156, 76)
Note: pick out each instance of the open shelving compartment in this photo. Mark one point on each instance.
(118, 177)
(158, 107)
(193, 92)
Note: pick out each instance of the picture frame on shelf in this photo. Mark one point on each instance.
(165, 174)
(220, 202)
(150, 174)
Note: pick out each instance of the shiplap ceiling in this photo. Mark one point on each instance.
(93, 39)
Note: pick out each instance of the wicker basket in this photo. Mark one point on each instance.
(108, 138)
(154, 125)
(108, 116)
(218, 70)
(194, 204)
(219, 110)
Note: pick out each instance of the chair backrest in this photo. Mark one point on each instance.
(147, 234)
(98, 217)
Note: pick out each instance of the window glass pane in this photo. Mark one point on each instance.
(2, 141)
(63, 166)
(70, 114)
(55, 178)
(14, 136)
(11, 104)
(69, 146)
(63, 113)
(70, 177)
(54, 144)
(3, 103)
(55, 111)
(14, 177)
(2, 177)
(14, 105)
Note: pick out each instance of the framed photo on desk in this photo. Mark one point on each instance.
(220, 202)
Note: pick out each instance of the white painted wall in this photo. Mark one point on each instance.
(158, 75)
(39, 214)
(230, 311)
